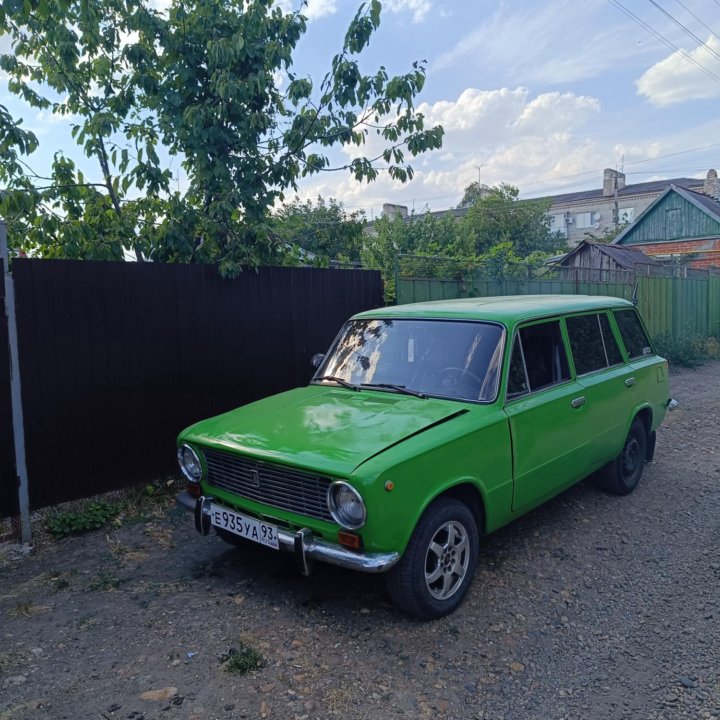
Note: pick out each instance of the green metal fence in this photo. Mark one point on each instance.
(672, 300)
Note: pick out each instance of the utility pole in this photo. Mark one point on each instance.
(16, 392)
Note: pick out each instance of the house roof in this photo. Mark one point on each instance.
(625, 257)
(707, 204)
(655, 186)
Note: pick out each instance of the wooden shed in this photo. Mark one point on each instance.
(600, 262)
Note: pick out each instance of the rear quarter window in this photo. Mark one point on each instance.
(633, 334)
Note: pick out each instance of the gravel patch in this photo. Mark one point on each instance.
(590, 607)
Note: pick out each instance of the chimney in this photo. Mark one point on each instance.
(711, 186)
(391, 211)
(612, 181)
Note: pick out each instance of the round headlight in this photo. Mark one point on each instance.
(189, 463)
(346, 506)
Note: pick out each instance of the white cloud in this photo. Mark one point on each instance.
(319, 8)
(418, 8)
(551, 42)
(675, 79)
(515, 137)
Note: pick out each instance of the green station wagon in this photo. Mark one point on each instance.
(426, 426)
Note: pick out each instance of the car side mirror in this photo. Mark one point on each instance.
(317, 360)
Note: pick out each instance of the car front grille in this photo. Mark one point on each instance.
(277, 485)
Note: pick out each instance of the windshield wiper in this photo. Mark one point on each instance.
(338, 380)
(398, 388)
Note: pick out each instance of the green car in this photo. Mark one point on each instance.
(427, 426)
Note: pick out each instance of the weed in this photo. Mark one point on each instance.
(712, 347)
(242, 660)
(7, 662)
(686, 349)
(105, 580)
(25, 609)
(91, 516)
(162, 536)
(86, 622)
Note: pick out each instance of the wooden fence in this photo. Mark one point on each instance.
(675, 305)
(116, 358)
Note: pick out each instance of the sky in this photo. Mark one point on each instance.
(542, 95)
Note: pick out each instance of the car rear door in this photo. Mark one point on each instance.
(606, 380)
(547, 416)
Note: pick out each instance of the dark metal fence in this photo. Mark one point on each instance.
(116, 358)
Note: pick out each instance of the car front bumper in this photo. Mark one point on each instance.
(302, 543)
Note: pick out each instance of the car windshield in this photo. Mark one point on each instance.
(443, 358)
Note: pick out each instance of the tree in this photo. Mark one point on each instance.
(198, 83)
(607, 235)
(473, 192)
(321, 230)
(500, 216)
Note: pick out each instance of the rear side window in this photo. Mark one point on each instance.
(538, 359)
(632, 333)
(586, 343)
(592, 343)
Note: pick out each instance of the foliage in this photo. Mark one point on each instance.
(607, 235)
(500, 216)
(196, 83)
(319, 231)
(499, 231)
(686, 349)
(93, 515)
(243, 660)
(474, 191)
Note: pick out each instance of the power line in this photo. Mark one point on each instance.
(664, 40)
(707, 27)
(688, 32)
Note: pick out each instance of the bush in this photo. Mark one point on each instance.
(687, 349)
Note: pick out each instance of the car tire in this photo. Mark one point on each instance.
(438, 565)
(622, 475)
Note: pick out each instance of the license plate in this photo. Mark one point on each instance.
(245, 527)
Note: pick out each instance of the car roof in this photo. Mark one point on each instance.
(507, 309)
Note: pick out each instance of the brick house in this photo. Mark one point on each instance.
(588, 211)
(679, 225)
(594, 211)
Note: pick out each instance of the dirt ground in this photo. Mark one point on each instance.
(591, 607)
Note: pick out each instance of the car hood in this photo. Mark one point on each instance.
(328, 430)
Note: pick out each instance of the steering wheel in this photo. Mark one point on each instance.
(460, 373)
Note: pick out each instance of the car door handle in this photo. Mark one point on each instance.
(630, 382)
(578, 402)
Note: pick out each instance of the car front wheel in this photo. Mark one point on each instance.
(437, 568)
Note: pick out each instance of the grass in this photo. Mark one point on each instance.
(142, 503)
(242, 660)
(25, 609)
(105, 580)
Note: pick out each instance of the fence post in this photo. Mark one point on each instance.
(16, 392)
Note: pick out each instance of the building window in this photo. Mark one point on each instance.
(584, 220)
(558, 224)
(626, 215)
